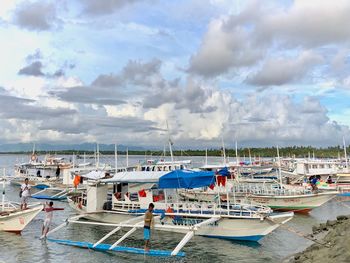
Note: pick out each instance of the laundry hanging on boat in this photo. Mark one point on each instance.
(142, 193)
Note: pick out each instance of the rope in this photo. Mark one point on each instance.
(342, 203)
(301, 234)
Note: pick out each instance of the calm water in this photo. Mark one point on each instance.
(273, 248)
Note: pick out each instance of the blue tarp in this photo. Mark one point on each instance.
(224, 172)
(186, 179)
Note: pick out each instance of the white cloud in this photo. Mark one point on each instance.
(279, 71)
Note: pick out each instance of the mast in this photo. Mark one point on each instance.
(250, 156)
(345, 155)
(237, 158)
(98, 155)
(115, 158)
(223, 151)
(3, 191)
(170, 143)
(206, 156)
(279, 165)
(127, 157)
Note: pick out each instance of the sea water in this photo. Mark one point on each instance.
(275, 247)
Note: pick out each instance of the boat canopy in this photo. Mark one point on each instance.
(94, 175)
(136, 177)
(166, 179)
(186, 179)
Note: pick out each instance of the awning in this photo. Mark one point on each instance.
(94, 175)
(186, 179)
(135, 177)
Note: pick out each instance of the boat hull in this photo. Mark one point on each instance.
(245, 229)
(296, 203)
(16, 221)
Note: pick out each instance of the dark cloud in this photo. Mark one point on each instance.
(105, 7)
(20, 108)
(34, 69)
(38, 16)
(37, 55)
(102, 125)
(89, 95)
(58, 73)
(191, 96)
(114, 88)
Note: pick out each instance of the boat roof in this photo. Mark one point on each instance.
(166, 179)
(136, 177)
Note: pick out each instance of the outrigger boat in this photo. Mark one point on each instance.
(12, 218)
(130, 200)
(276, 197)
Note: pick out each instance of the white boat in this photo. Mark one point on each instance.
(230, 221)
(277, 199)
(227, 221)
(12, 218)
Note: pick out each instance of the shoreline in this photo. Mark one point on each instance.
(332, 243)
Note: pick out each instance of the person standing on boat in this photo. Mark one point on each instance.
(147, 225)
(58, 171)
(48, 208)
(25, 194)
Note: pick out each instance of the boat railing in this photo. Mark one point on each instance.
(198, 208)
(264, 190)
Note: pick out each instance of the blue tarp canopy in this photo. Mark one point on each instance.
(224, 172)
(186, 179)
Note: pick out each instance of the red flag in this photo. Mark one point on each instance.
(142, 193)
(212, 186)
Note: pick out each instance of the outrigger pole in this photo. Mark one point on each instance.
(128, 224)
(191, 233)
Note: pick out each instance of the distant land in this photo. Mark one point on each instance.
(89, 148)
(46, 147)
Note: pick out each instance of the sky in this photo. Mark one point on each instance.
(262, 73)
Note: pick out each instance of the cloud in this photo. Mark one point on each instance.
(224, 48)
(113, 88)
(19, 108)
(37, 16)
(247, 39)
(37, 55)
(192, 96)
(279, 71)
(308, 23)
(97, 7)
(89, 94)
(34, 69)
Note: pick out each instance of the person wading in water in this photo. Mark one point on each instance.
(147, 225)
